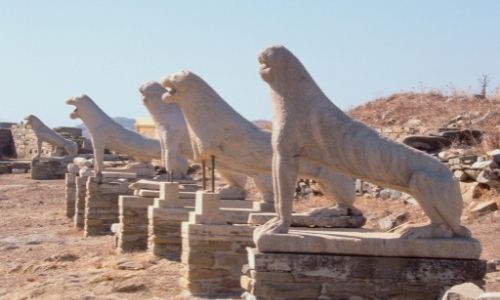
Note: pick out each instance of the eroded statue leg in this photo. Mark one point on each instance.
(441, 200)
(284, 176)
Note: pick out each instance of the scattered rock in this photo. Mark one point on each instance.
(495, 155)
(430, 144)
(130, 265)
(464, 291)
(489, 296)
(461, 175)
(62, 257)
(392, 221)
(483, 208)
(491, 265)
(129, 287)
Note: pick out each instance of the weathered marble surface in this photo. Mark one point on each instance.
(212, 256)
(273, 276)
(171, 129)
(174, 137)
(321, 218)
(106, 133)
(309, 129)
(341, 241)
(44, 134)
(238, 145)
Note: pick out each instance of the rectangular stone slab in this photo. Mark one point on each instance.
(368, 243)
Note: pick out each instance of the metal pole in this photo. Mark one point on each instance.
(204, 175)
(213, 173)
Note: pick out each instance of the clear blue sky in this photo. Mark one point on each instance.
(356, 50)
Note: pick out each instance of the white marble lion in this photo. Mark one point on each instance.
(105, 133)
(44, 134)
(239, 145)
(174, 137)
(309, 129)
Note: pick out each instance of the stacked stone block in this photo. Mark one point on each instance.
(81, 194)
(213, 252)
(164, 231)
(165, 218)
(70, 194)
(48, 168)
(213, 256)
(101, 202)
(272, 276)
(133, 229)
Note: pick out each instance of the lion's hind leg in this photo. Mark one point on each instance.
(439, 196)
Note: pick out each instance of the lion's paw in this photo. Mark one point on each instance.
(412, 231)
(273, 226)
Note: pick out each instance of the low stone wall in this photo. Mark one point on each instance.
(271, 276)
(164, 231)
(132, 234)
(48, 168)
(81, 194)
(212, 256)
(101, 203)
(70, 194)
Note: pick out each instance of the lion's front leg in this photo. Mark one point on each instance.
(284, 170)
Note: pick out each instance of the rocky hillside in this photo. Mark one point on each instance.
(425, 113)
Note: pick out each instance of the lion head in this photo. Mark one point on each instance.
(151, 91)
(176, 84)
(280, 68)
(78, 102)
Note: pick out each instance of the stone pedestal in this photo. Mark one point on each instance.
(132, 234)
(212, 256)
(165, 218)
(357, 264)
(48, 168)
(70, 194)
(81, 194)
(164, 231)
(206, 209)
(101, 202)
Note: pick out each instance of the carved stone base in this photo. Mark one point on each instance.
(325, 217)
(133, 230)
(81, 194)
(164, 230)
(70, 194)
(101, 202)
(356, 241)
(273, 276)
(213, 256)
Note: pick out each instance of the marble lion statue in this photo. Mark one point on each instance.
(44, 134)
(239, 145)
(309, 129)
(173, 134)
(106, 133)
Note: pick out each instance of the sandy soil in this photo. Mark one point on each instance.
(42, 256)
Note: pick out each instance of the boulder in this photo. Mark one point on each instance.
(392, 221)
(469, 137)
(430, 144)
(483, 208)
(495, 155)
(464, 291)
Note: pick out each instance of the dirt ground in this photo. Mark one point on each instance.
(42, 256)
